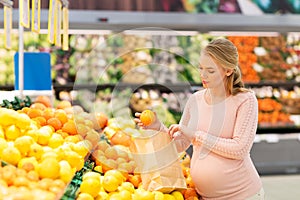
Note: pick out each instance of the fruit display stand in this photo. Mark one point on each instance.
(63, 152)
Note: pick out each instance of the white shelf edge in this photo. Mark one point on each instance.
(122, 20)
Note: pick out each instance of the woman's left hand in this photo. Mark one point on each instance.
(190, 134)
(176, 129)
(173, 130)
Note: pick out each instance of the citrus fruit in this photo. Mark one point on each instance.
(64, 104)
(85, 196)
(158, 195)
(111, 183)
(147, 117)
(3, 145)
(12, 132)
(93, 175)
(69, 127)
(126, 186)
(178, 195)
(65, 171)
(38, 105)
(91, 186)
(169, 197)
(44, 100)
(36, 151)
(55, 140)
(23, 144)
(55, 123)
(49, 168)
(141, 194)
(11, 155)
(117, 174)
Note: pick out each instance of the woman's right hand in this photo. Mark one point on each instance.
(156, 125)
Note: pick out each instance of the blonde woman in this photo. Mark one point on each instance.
(220, 121)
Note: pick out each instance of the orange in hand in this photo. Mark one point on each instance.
(147, 117)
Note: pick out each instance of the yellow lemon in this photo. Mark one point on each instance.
(11, 155)
(3, 145)
(23, 144)
(127, 186)
(110, 183)
(81, 148)
(28, 164)
(169, 197)
(90, 186)
(93, 175)
(74, 159)
(66, 174)
(43, 136)
(125, 194)
(49, 168)
(2, 135)
(102, 195)
(141, 194)
(36, 151)
(33, 134)
(55, 140)
(12, 132)
(85, 196)
(49, 154)
(158, 195)
(117, 174)
(178, 195)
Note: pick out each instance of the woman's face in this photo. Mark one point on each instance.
(212, 75)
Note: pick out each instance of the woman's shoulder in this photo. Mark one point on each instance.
(241, 97)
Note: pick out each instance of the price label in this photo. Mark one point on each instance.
(51, 21)
(65, 46)
(7, 26)
(24, 13)
(58, 23)
(36, 13)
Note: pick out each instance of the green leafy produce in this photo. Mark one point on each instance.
(17, 103)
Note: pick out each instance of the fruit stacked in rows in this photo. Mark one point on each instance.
(44, 147)
(114, 185)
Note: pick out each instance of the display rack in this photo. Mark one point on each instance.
(122, 20)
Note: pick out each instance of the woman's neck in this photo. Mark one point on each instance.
(215, 95)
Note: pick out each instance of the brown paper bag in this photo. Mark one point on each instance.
(158, 162)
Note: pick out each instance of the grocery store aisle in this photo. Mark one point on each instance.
(282, 187)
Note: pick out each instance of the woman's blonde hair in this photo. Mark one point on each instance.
(225, 53)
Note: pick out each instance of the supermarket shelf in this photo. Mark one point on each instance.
(177, 87)
(121, 86)
(280, 129)
(124, 20)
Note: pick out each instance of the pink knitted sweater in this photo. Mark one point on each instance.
(221, 167)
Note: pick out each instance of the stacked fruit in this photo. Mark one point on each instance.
(271, 113)
(247, 58)
(45, 147)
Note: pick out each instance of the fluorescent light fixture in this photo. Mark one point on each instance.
(236, 33)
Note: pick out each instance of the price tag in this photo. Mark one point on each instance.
(65, 46)
(36, 13)
(51, 21)
(57, 20)
(24, 13)
(7, 26)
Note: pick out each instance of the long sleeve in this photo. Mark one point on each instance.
(181, 141)
(241, 142)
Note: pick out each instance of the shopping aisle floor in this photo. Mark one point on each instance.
(282, 187)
